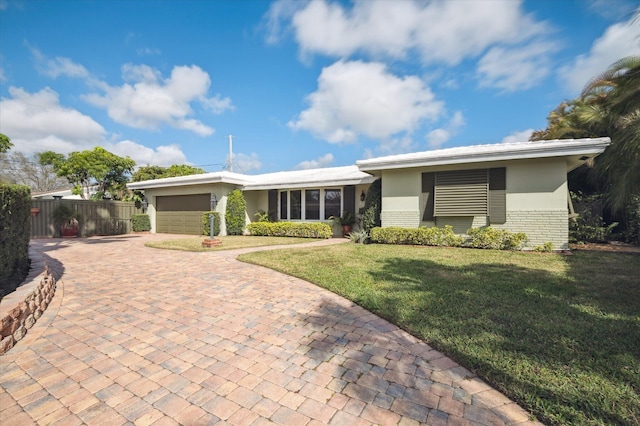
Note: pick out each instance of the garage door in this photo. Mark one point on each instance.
(181, 214)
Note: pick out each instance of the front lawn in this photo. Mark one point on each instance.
(558, 334)
(228, 243)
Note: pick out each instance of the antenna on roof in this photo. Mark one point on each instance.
(230, 153)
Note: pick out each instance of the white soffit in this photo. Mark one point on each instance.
(486, 153)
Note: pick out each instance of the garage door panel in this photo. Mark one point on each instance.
(179, 222)
(175, 203)
(181, 214)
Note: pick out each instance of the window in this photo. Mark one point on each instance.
(312, 204)
(463, 193)
(283, 205)
(296, 205)
(331, 203)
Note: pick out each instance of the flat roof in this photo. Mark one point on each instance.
(485, 153)
(577, 151)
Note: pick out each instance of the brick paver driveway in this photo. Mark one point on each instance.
(142, 336)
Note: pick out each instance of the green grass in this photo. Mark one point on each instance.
(228, 242)
(558, 334)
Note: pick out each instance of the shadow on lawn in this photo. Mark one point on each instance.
(541, 320)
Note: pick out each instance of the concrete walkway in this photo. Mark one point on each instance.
(143, 336)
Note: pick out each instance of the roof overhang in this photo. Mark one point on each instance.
(202, 179)
(577, 152)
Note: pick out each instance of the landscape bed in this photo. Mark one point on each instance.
(229, 242)
(558, 334)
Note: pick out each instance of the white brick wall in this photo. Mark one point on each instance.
(405, 219)
(540, 226)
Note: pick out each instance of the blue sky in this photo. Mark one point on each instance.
(298, 84)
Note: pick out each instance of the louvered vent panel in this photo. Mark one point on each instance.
(461, 193)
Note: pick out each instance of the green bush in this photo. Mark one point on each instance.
(632, 230)
(492, 238)
(420, 236)
(359, 237)
(291, 229)
(15, 229)
(547, 247)
(262, 216)
(235, 214)
(478, 237)
(588, 228)
(216, 223)
(372, 206)
(140, 222)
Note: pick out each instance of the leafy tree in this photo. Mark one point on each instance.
(34, 171)
(608, 106)
(108, 172)
(5, 143)
(236, 211)
(158, 172)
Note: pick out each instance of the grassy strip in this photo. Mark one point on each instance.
(558, 334)
(228, 243)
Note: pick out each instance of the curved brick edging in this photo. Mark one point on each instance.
(20, 310)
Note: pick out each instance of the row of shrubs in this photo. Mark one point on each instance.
(291, 229)
(486, 238)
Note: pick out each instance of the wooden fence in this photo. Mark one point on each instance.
(97, 217)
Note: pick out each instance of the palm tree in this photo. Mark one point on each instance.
(608, 106)
(612, 105)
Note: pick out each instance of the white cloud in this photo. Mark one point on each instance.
(244, 163)
(439, 31)
(438, 137)
(58, 66)
(322, 161)
(357, 98)
(517, 68)
(147, 101)
(164, 155)
(520, 136)
(37, 122)
(618, 41)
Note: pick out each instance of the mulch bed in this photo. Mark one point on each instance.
(613, 246)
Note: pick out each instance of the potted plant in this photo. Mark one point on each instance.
(346, 222)
(66, 219)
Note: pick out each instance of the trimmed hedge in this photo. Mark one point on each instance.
(140, 222)
(216, 223)
(15, 229)
(291, 229)
(498, 239)
(487, 238)
(419, 236)
(236, 213)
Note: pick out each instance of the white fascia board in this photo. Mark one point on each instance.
(202, 179)
(488, 153)
(309, 184)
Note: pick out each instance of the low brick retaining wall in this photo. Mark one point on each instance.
(20, 310)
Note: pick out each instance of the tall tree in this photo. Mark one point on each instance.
(5, 143)
(108, 172)
(608, 106)
(158, 172)
(33, 171)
